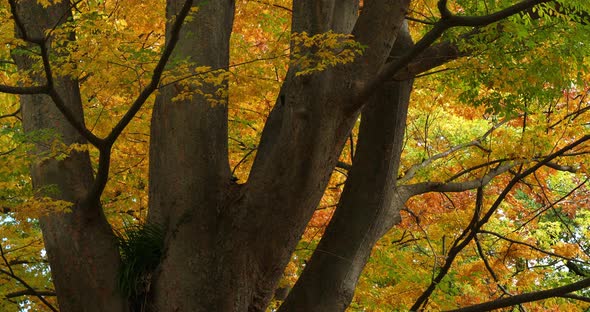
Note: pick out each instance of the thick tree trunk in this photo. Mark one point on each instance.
(369, 205)
(80, 245)
(229, 244)
(303, 138)
(189, 173)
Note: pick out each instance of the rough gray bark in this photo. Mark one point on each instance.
(80, 245)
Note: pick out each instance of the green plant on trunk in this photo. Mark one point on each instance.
(141, 246)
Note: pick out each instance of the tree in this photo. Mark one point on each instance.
(226, 244)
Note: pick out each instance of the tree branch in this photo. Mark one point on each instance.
(575, 297)
(409, 174)
(458, 245)
(156, 75)
(447, 21)
(533, 247)
(486, 263)
(13, 114)
(24, 90)
(528, 297)
(561, 167)
(49, 88)
(427, 187)
(29, 288)
(526, 173)
(446, 51)
(478, 21)
(28, 292)
(476, 223)
(105, 148)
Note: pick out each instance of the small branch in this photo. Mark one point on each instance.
(561, 167)
(262, 59)
(27, 292)
(343, 165)
(71, 118)
(528, 297)
(448, 186)
(13, 114)
(29, 288)
(5, 260)
(273, 5)
(50, 87)
(533, 247)
(417, 20)
(479, 166)
(487, 264)
(458, 245)
(106, 144)
(551, 204)
(526, 173)
(575, 297)
(156, 75)
(233, 172)
(24, 90)
(476, 223)
(427, 187)
(8, 152)
(478, 21)
(411, 172)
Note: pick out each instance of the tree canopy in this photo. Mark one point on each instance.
(278, 155)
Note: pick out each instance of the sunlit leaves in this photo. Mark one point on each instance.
(318, 52)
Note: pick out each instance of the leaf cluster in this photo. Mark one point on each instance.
(315, 53)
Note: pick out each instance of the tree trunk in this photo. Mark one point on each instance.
(190, 177)
(226, 244)
(229, 243)
(80, 245)
(369, 205)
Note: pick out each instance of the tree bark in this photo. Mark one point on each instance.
(369, 204)
(230, 243)
(303, 138)
(189, 172)
(80, 245)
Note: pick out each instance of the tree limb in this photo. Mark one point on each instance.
(427, 187)
(458, 245)
(447, 21)
(24, 90)
(561, 167)
(30, 289)
(409, 174)
(105, 146)
(156, 75)
(13, 114)
(28, 292)
(476, 222)
(533, 247)
(443, 52)
(528, 297)
(575, 297)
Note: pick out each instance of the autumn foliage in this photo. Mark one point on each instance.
(510, 117)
